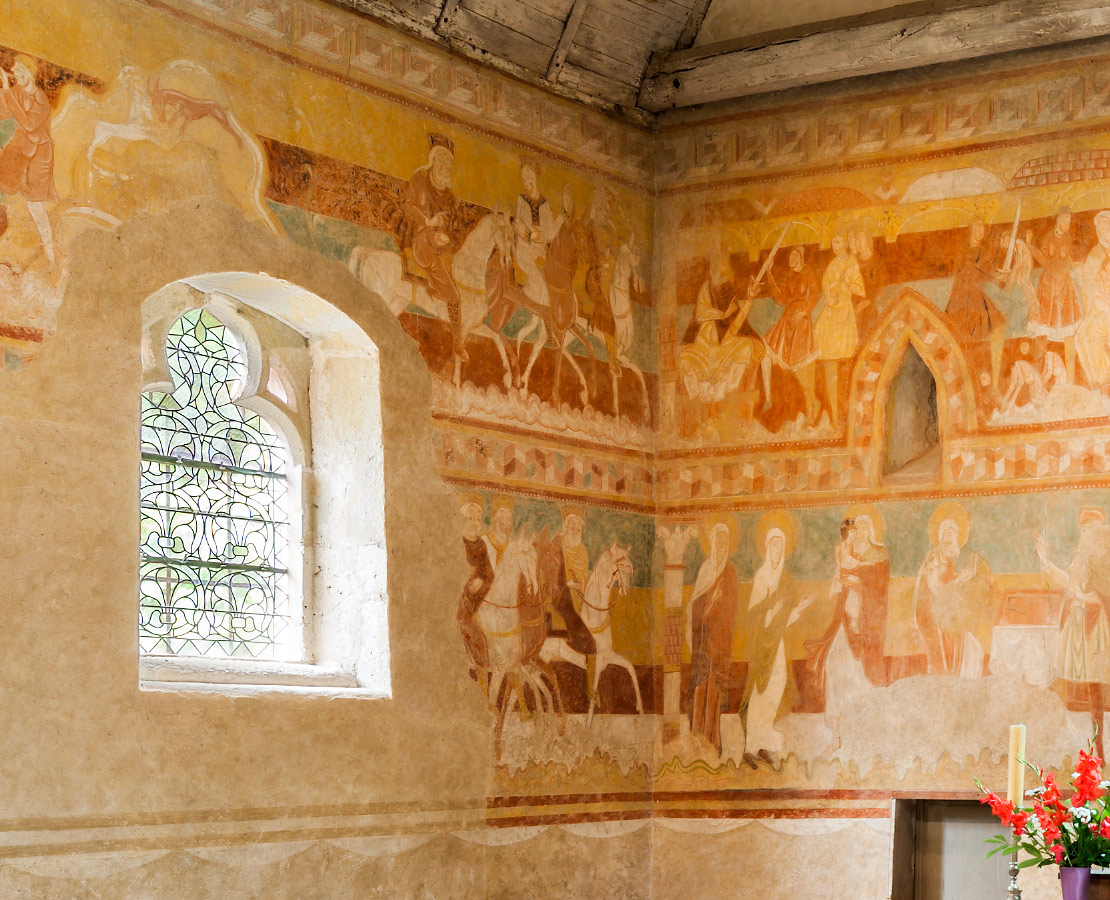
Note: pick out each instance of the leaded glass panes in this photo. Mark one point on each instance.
(214, 524)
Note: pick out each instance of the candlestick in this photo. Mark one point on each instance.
(1014, 892)
(1015, 784)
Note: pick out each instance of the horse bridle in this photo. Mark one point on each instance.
(613, 579)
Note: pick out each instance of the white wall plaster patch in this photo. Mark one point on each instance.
(251, 854)
(390, 845)
(605, 829)
(85, 866)
(499, 837)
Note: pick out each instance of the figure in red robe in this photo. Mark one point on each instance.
(972, 315)
(431, 226)
(27, 159)
(712, 614)
(791, 344)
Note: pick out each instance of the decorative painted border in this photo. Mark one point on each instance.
(476, 458)
(370, 57)
(968, 114)
(145, 831)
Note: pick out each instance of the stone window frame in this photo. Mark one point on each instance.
(339, 573)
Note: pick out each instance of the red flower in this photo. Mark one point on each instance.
(1050, 820)
(1010, 816)
(1058, 852)
(1104, 828)
(1088, 774)
(1004, 809)
(1051, 793)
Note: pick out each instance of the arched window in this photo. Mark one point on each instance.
(262, 508)
(215, 509)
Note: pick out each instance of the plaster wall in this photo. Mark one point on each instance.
(746, 718)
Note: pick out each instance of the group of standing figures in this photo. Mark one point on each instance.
(1060, 282)
(778, 648)
(723, 353)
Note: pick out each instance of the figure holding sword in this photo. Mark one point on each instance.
(972, 315)
(791, 344)
(716, 356)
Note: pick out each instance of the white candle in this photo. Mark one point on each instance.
(1015, 785)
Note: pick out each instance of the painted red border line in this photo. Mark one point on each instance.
(640, 814)
(816, 812)
(727, 795)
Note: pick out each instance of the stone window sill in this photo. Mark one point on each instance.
(247, 677)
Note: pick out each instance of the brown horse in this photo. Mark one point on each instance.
(171, 105)
(558, 323)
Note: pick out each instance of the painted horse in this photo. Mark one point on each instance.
(512, 619)
(486, 249)
(612, 576)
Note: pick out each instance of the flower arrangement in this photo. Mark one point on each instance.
(1056, 830)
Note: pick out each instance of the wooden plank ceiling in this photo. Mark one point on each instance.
(593, 51)
(638, 58)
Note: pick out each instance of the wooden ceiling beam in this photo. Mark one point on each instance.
(566, 39)
(384, 12)
(726, 71)
(693, 25)
(446, 14)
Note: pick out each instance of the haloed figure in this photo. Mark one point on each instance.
(709, 628)
(772, 607)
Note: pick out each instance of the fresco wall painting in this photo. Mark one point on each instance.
(710, 583)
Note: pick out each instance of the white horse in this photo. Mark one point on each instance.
(625, 278)
(613, 570)
(513, 628)
(383, 273)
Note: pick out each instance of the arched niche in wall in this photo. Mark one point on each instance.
(912, 447)
(911, 321)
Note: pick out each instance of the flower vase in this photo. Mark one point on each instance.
(1074, 881)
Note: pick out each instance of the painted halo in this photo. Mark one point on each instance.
(878, 526)
(471, 499)
(943, 513)
(781, 520)
(1102, 228)
(705, 533)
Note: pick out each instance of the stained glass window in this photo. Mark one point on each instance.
(214, 500)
